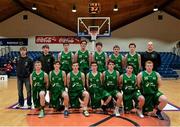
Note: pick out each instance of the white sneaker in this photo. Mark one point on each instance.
(116, 112)
(139, 113)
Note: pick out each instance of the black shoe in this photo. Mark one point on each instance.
(66, 113)
(29, 107)
(104, 108)
(159, 115)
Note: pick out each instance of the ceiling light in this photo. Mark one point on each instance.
(74, 9)
(155, 8)
(34, 7)
(115, 8)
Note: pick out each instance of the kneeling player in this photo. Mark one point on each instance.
(77, 92)
(97, 93)
(39, 82)
(149, 81)
(110, 84)
(57, 80)
(130, 92)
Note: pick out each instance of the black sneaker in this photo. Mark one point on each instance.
(29, 107)
(66, 113)
(159, 115)
(61, 108)
(104, 108)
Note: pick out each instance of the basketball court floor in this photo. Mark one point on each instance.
(9, 116)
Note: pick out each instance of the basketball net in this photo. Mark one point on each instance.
(93, 35)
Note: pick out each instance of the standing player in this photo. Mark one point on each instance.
(100, 57)
(111, 82)
(83, 57)
(66, 58)
(118, 59)
(149, 81)
(133, 58)
(57, 80)
(97, 93)
(130, 91)
(39, 82)
(24, 67)
(77, 92)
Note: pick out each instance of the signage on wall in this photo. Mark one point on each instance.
(13, 41)
(57, 39)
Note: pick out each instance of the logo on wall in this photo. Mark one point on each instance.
(13, 41)
(57, 39)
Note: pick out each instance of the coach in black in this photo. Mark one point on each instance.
(24, 67)
(151, 55)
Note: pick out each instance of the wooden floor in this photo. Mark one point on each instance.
(10, 117)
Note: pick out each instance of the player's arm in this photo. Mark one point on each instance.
(159, 81)
(139, 61)
(103, 77)
(120, 81)
(76, 57)
(64, 78)
(30, 79)
(68, 80)
(117, 77)
(46, 80)
(90, 58)
(72, 55)
(139, 79)
(87, 80)
(125, 60)
(59, 56)
(106, 58)
(83, 78)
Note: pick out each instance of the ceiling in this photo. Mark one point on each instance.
(59, 11)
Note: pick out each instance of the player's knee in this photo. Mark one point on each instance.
(141, 98)
(163, 99)
(65, 95)
(119, 96)
(42, 94)
(86, 94)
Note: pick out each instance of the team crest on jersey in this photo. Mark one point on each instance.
(80, 56)
(41, 78)
(34, 78)
(152, 55)
(125, 81)
(97, 80)
(48, 60)
(145, 78)
(154, 78)
(73, 79)
(26, 63)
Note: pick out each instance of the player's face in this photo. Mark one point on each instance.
(94, 67)
(132, 48)
(75, 67)
(46, 50)
(56, 66)
(150, 46)
(99, 48)
(116, 50)
(37, 66)
(149, 67)
(23, 52)
(83, 45)
(111, 66)
(129, 69)
(66, 47)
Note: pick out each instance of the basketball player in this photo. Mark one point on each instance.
(57, 80)
(133, 58)
(110, 84)
(66, 58)
(83, 57)
(100, 57)
(149, 81)
(130, 91)
(118, 59)
(99, 96)
(39, 82)
(77, 92)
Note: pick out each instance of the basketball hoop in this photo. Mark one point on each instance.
(93, 35)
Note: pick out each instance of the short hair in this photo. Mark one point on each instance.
(66, 42)
(132, 44)
(93, 63)
(23, 49)
(55, 62)
(75, 63)
(130, 65)
(83, 41)
(110, 61)
(148, 62)
(37, 61)
(45, 46)
(116, 46)
(99, 43)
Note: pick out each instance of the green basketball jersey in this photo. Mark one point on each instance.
(56, 80)
(38, 80)
(129, 84)
(94, 81)
(76, 82)
(118, 62)
(101, 61)
(110, 81)
(134, 60)
(149, 83)
(83, 60)
(66, 61)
